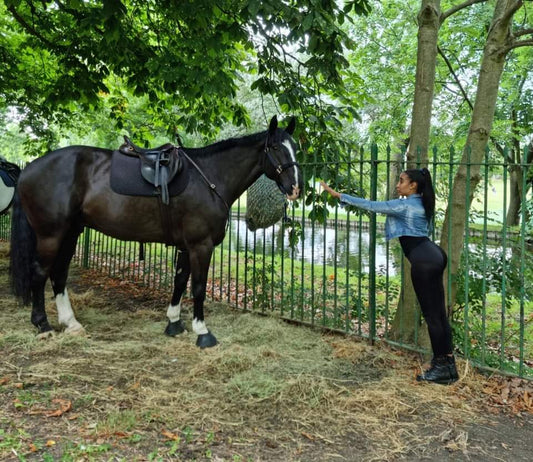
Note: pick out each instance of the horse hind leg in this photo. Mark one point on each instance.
(58, 278)
(183, 270)
(27, 266)
(38, 312)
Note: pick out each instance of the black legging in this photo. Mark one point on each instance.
(428, 262)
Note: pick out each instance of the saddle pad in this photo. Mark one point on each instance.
(126, 178)
(9, 177)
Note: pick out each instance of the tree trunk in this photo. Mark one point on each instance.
(515, 173)
(480, 127)
(395, 168)
(404, 326)
(426, 62)
(515, 196)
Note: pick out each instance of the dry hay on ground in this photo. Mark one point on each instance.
(269, 391)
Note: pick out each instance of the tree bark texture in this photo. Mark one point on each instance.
(493, 61)
(404, 326)
(428, 32)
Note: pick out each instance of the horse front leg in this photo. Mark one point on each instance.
(183, 270)
(200, 258)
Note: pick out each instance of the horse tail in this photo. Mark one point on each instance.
(23, 253)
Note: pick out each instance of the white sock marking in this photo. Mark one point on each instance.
(65, 315)
(174, 312)
(199, 327)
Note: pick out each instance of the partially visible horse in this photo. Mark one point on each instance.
(68, 189)
(9, 174)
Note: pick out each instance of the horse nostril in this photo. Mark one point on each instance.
(295, 191)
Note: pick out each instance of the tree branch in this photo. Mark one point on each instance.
(70, 11)
(449, 64)
(522, 32)
(499, 148)
(512, 10)
(517, 44)
(31, 30)
(459, 7)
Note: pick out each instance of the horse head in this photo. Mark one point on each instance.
(279, 162)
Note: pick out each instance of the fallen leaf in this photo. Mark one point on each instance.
(64, 406)
(527, 399)
(170, 435)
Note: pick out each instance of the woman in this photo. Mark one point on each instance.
(410, 219)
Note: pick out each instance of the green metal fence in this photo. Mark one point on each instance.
(340, 274)
(5, 225)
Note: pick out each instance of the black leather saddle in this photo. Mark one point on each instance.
(157, 166)
(9, 173)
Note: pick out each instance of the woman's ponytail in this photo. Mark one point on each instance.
(425, 188)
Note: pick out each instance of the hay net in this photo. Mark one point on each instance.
(265, 204)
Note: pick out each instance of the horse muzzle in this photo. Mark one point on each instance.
(295, 193)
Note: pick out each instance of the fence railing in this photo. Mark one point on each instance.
(342, 275)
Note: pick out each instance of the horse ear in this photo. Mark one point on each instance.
(273, 125)
(292, 125)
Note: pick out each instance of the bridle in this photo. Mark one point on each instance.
(271, 164)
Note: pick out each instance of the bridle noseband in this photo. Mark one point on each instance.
(270, 162)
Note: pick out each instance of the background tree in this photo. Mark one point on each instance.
(186, 58)
(502, 38)
(430, 19)
(446, 116)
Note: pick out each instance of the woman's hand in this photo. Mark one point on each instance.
(329, 190)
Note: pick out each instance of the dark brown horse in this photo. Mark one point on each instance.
(66, 190)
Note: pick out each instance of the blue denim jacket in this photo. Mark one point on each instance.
(405, 217)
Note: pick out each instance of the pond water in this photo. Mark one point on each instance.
(319, 245)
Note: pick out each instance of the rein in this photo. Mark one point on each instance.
(212, 186)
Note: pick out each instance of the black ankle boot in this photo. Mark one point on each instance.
(442, 371)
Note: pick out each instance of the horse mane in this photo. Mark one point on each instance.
(224, 145)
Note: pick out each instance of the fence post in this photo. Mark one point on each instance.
(372, 245)
(86, 247)
(524, 167)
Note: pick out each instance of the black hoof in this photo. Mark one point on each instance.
(44, 327)
(206, 340)
(44, 330)
(175, 328)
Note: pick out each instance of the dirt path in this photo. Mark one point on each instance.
(269, 392)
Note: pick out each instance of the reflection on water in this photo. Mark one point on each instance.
(320, 245)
